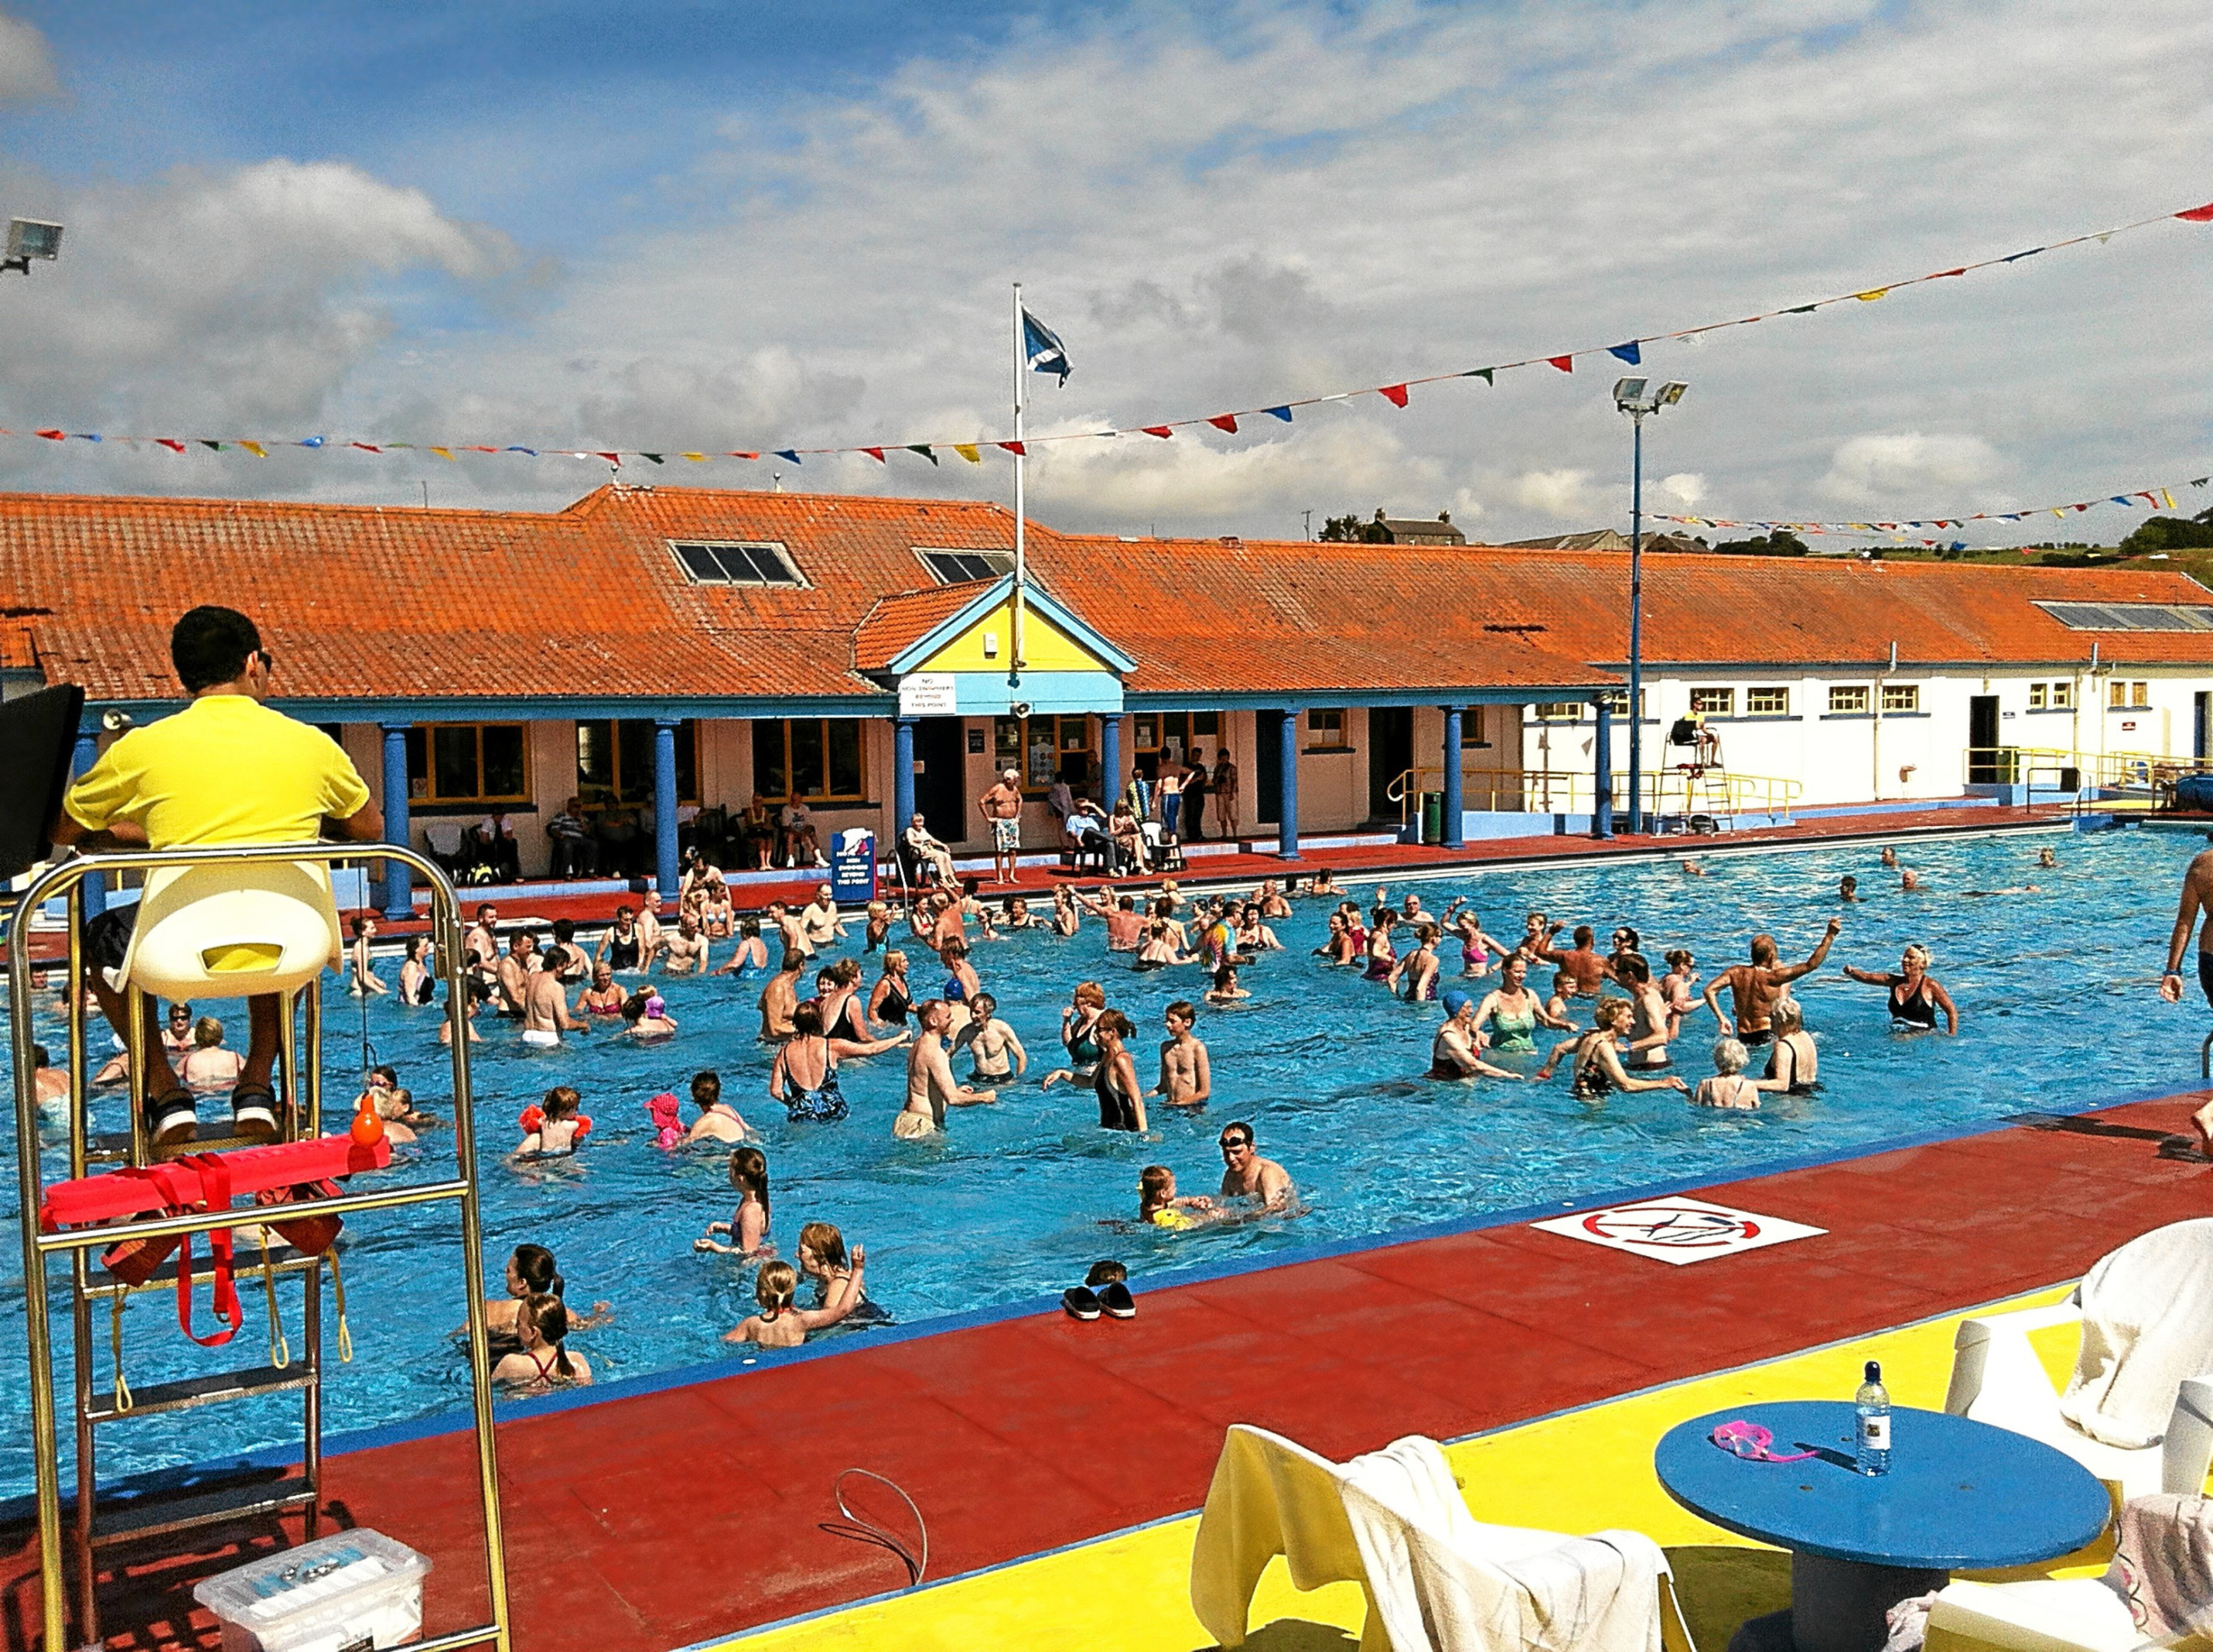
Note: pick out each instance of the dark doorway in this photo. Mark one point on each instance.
(1390, 754)
(2203, 713)
(1268, 767)
(941, 757)
(1984, 768)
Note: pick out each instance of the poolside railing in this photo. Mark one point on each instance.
(1669, 793)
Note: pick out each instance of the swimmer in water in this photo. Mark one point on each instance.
(560, 1129)
(1848, 889)
(1077, 1023)
(1728, 1088)
(778, 1324)
(1794, 1064)
(1909, 883)
(1597, 1069)
(2046, 858)
(804, 1076)
(1916, 999)
(1186, 1075)
(1121, 1101)
(1225, 989)
(1159, 1206)
(1160, 949)
(1890, 858)
(1510, 1012)
(1457, 1051)
(999, 1056)
(1693, 870)
(748, 1228)
(1756, 987)
(718, 1121)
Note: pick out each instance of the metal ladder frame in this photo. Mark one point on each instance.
(67, 880)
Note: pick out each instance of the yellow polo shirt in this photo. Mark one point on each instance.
(225, 769)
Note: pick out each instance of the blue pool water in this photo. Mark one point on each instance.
(2056, 990)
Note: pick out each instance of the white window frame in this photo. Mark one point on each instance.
(1901, 699)
(796, 582)
(1840, 706)
(1727, 709)
(1780, 691)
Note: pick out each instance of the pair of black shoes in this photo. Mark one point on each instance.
(1113, 1299)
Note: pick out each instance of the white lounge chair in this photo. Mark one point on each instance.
(1996, 1378)
(1270, 1496)
(2077, 1614)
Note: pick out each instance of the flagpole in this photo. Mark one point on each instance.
(1014, 667)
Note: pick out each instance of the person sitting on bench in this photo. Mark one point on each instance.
(225, 769)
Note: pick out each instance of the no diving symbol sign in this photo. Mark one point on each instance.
(1677, 1230)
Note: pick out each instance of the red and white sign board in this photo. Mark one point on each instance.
(1678, 1230)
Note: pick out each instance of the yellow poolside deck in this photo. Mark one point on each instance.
(1579, 1472)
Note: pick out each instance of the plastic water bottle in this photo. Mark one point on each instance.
(1872, 1401)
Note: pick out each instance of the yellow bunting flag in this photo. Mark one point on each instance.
(967, 451)
(1872, 294)
(697, 458)
(445, 453)
(2169, 497)
(255, 448)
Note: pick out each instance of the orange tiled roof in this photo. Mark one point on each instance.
(364, 602)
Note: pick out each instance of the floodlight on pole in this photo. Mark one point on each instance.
(1639, 399)
(28, 239)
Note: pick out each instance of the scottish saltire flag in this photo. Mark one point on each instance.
(1042, 348)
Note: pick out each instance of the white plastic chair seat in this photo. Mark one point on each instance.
(1996, 1378)
(233, 930)
(2062, 1615)
(443, 836)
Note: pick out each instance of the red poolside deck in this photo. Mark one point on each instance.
(648, 1522)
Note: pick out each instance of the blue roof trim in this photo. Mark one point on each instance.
(911, 657)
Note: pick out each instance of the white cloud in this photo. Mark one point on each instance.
(1553, 493)
(27, 66)
(1685, 488)
(1907, 466)
(1221, 209)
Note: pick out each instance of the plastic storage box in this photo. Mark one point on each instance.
(350, 1592)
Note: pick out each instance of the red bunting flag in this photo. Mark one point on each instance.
(1229, 421)
(170, 442)
(1940, 274)
(366, 446)
(55, 436)
(1162, 431)
(876, 453)
(1014, 446)
(612, 458)
(1394, 393)
(1565, 363)
(735, 454)
(2197, 214)
(2148, 498)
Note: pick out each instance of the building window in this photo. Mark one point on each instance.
(1172, 736)
(1850, 701)
(467, 763)
(2127, 696)
(614, 761)
(816, 760)
(2036, 696)
(1325, 725)
(1713, 702)
(1767, 702)
(1900, 699)
(717, 563)
(2063, 696)
(2132, 616)
(1617, 702)
(1559, 710)
(965, 567)
(1044, 749)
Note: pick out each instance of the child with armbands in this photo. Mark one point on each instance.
(554, 1128)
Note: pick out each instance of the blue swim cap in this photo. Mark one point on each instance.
(1455, 1001)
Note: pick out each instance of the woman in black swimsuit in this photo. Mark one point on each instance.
(618, 947)
(1915, 996)
(1793, 1064)
(1121, 1095)
(1597, 1066)
(892, 1000)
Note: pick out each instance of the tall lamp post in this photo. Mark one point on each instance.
(1639, 399)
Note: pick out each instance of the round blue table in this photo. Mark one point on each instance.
(1959, 1496)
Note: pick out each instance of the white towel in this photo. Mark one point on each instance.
(1269, 1497)
(1442, 1581)
(2147, 1324)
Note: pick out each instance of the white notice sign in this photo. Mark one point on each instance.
(1678, 1230)
(926, 694)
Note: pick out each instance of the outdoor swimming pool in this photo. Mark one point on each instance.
(2056, 990)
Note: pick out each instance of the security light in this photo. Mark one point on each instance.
(1670, 393)
(1629, 392)
(28, 238)
(1637, 397)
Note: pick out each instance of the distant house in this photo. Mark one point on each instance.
(1415, 530)
(1605, 538)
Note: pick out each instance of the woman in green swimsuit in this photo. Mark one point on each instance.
(1510, 1012)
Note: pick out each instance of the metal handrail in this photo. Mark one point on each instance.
(66, 880)
(1541, 791)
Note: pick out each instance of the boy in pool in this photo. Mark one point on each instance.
(991, 1041)
(1560, 1006)
(1225, 989)
(1186, 1078)
(1848, 889)
(778, 1324)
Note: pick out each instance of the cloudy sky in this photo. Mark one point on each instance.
(714, 226)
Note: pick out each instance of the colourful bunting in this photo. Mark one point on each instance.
(2158, 494)
(1631, 351)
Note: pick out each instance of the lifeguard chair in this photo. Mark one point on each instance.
(221, 923)
(1707, 795)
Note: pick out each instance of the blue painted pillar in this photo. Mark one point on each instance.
(1110, 759)
(399, 879)
(1455, 835)
(1603, 762)
(664, 807)
(902, 777)
(1287, 787)
(96, 886)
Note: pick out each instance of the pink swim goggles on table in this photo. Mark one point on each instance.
(1750, 1442)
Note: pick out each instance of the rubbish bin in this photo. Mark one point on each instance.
(1433, 817)
(853, 867)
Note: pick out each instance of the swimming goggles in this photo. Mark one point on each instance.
(1750, 1442)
